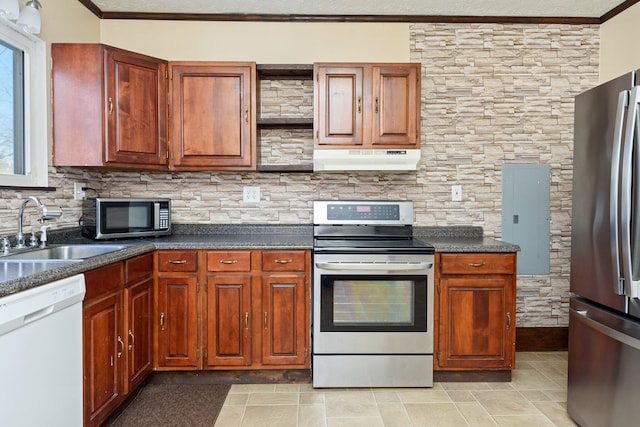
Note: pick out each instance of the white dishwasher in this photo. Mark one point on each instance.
(41, 355)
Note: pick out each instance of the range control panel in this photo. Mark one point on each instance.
(363, 212)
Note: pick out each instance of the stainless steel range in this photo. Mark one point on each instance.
(372, 296)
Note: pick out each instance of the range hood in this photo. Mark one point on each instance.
(344, 160)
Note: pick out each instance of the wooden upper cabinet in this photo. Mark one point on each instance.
(213, 116)
(339, 101)
(367, 105)
(109, 107)
(396, 105)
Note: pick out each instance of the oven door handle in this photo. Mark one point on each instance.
(391, 266)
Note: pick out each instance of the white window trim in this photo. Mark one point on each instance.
(35, 120)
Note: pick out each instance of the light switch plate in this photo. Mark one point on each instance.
(78, 193)
(456, 193)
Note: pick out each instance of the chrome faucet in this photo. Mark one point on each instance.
(47, 213)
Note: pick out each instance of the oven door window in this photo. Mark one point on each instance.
(363, 303)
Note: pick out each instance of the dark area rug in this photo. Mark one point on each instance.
(174, 405)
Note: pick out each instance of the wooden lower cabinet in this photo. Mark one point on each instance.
(257, 309)
(116, 334)
(475, 311)
(177, 320)
(237, 309)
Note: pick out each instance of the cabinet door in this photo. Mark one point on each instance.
(138, 303)
(177, 322)
(229, 320)
(396, 105)
(135, 107)
(284, 320)
(103, 357)
(476, 329)
(340, 105)
(213, 116)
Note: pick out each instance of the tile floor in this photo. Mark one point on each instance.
(536, 396)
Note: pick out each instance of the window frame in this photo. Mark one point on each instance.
(36, 147)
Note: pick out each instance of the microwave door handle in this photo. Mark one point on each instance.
(614, 192)
(156, 216)
(632, 287)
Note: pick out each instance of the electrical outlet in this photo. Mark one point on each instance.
(78, 193)
(456, 193)
(251, 194)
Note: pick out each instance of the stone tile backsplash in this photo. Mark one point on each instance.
(491, 94)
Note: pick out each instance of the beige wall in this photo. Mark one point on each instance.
(620, 50)
(261, 42)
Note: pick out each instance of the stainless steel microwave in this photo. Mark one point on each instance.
(104, 218)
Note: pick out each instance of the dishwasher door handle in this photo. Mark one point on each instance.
(386, 266)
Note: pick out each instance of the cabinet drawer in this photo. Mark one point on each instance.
(177, 261)
(139, 267)
(283, 261)
(477, 263)
(104, 280)
(229, 261)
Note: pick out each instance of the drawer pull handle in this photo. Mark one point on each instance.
(228, 261)
(121, 347)
(476, 264)
(162, 321)
(283, 261)
(246, 320)
(177, 261)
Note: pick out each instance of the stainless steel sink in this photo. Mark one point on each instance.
(64, 252)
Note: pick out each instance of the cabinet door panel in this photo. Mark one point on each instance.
(284, 325)
(340, 108)
(483, 335)
(229, 320)
(396, 105)
(177, 327)
(135, 109)
(213, 116)
(102, 358)
(139, 306)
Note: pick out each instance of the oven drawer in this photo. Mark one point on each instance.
(283, 261)
(229, 261)
(477, 263)
(177, 261)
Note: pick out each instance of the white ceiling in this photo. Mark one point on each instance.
(519, 8)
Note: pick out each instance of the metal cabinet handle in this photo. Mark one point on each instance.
(162, 321)
(359, 104)
(133, 340)
(110, 105)
(508, 321)
(283, 261)
(265, 319)
(376, 104)
(121, 347)
(177, 261)
(476, 264)
(246, 116)
(228, 261)
(246, 320)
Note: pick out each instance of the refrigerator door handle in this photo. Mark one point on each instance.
(614, 191)
(632, 287)
(583, 316)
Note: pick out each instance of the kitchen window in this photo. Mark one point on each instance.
(23, 109)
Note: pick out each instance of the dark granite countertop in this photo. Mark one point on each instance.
(196, 236)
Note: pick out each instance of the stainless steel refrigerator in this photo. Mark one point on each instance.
(604, 317)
